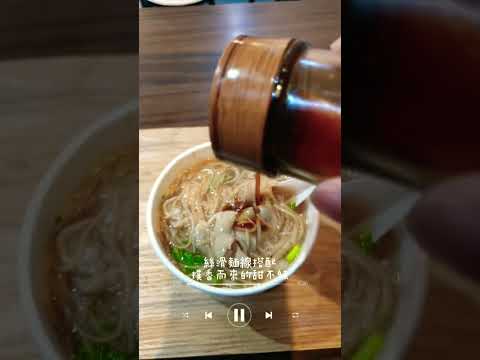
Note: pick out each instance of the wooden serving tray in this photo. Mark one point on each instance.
(165, 332)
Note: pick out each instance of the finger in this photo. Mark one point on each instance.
(327, 198)
(336, 45)
(446, 223)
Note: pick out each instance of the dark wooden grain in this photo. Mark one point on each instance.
(61, 27)
(179, 49)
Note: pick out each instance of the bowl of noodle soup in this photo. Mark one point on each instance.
(383, 283)
(78, 260)
(213, 218)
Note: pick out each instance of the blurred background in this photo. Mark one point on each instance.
(147, 3)
(63, 66)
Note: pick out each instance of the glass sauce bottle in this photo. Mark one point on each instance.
(275, 107)
(411, 98)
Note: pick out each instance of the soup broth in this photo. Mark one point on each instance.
(226, 226)
(369, 284)
(94, 285)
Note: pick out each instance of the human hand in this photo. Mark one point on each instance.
(327, 198)
(446, 223)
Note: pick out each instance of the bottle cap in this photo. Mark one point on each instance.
(249, 77)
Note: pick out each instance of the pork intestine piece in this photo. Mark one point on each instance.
(201, 238)
(223, 232)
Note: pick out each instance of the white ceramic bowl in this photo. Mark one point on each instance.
(183, 162)
(409, 261)
(63, 177)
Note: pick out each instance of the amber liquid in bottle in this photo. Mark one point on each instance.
(275, 107)
(310, 142)
(411, 98)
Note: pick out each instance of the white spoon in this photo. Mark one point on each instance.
(398, 199)
(390, 203)
(301, 189)
(384, 220)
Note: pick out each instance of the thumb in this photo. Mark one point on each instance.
(327, 198)
(446, 224)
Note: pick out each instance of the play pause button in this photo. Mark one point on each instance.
(239, 315)
(240, 318)
(268, 315)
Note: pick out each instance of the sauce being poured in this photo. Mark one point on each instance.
(257, 189)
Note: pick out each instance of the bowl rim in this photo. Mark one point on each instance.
(407, 313)
(155, 242)
(48, 349)
(412, 264)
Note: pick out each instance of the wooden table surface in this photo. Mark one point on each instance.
(179, 49)
(59, 28)
(164, 299)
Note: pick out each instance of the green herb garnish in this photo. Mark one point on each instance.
(187, 261)
(365, 240)
(292, 205)
(100, 352)
(369, 348)
(293, 253)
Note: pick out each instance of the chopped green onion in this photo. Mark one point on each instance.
(177, 254)
(365, 240)
(292, 205)
(100, 352)
(370, 348)
(188, 270)
(293, 253)
(187, 258)
(198, 259)
(187, 261)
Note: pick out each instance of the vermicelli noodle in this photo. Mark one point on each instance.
(97, 259)
(212, 211)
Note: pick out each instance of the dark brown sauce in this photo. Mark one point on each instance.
(257, 189)
(240, 205)
(237, 205)
(245, 225)
(314, 141)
